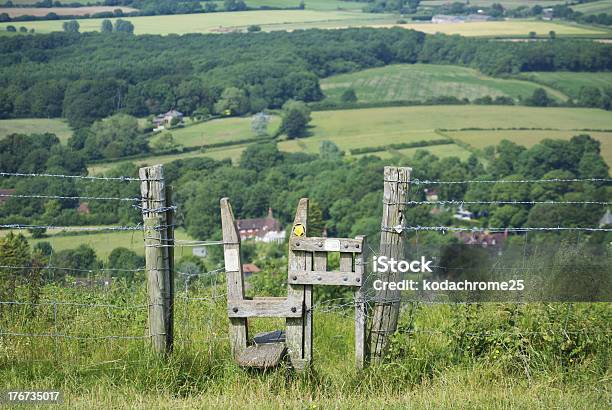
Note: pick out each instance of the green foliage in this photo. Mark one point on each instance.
(107, 26)
(71, 26)
(296, 116)
(124, 26)
(125, 261)
(233, 101)
(115, 137)
(253, 28)
(349, 96)
(165, 143)
(539, 98)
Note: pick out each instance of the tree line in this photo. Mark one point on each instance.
(86, 77)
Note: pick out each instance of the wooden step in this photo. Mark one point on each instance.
(267, 351)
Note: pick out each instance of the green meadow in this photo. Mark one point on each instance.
(103, 242)
(326, 5)
(372, 127)
(594, 7)
(422, 81)
(220, 130)
(570, 82)
(35, 126)
(211, 22)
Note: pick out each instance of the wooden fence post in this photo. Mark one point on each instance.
(159, 238)
(387, 304)
(235, 281)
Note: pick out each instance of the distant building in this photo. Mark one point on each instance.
(471, 18)
(199, 251)
(483, 238)
(165, 120)
(5, 195)
(606, 219)
(444, 18)
(266, 229)
(431, 194)
(249, 269)
(463, 214)
(83, 208)
(547, 14)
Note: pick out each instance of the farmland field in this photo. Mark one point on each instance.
(215, 22)
(61, 11)
(310, 4)
(35, 126)
(506, 3)
(102, 242)
(421, 81)
(595, 7)
(511, 28)
(527, 138)
(382, 126)
(445, 150)
(570, 82)
(221, 130)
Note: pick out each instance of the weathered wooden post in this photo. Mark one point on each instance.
(159, 237)
(299, 330)
(387, 303)
(235, 279)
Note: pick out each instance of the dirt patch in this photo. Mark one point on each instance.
(60, 11)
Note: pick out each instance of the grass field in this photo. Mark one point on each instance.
(221, 130)
(102, 242)
(214, 22)
(326, 5)
(595, 7)
(34, 126)
(446, 150)
(570, 82)
(506, 3)
(382, 126)
(61, 11)
(421, 81)
(527, 138)
(511, 28)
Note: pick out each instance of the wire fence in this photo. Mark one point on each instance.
(201, 298)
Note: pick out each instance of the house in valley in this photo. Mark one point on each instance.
(266, 229)
(163, 121)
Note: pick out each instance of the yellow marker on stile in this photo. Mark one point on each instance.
(299, 230)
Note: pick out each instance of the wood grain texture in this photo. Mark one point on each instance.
(263, 356)
(333, 278)
(238, 330)
(264, 307)
(387, 306)
(316, 244)
(299, 329)
(157, 256)
(361, 313)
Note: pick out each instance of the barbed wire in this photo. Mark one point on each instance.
(49, 267)
(76, 304)
(400, 229)
(98, 178)
(65, 336)
(417, 181)
(460, 202)
(88, 198)
(138, 227)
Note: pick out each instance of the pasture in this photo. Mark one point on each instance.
(422, 81)
(326, 5)
(570, 82)
(61, 11)
(212, 22)
(55, 126)
(219, 130)
(372, 127)
(509, 28)
(595, 7)
(509, 4)
(482, 138)
(102, 242)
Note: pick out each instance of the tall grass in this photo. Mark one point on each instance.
(476, 356)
